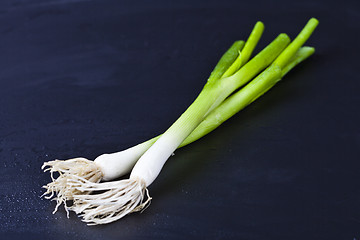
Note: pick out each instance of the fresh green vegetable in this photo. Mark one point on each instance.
(227, 60)
(122, 162)
(290, 51)
(247, 95)
(110, 201)
(151, 162)
(247, 51)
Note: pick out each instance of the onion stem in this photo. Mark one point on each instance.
(150, 164)
(100, 203)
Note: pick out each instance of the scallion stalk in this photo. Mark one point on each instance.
(212, 107)
(62, 189)
(120, 198)
(151, 162)
(108, 205)
(249, 47)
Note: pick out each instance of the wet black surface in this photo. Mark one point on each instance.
(80, 78)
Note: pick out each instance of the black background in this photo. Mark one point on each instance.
(81, 78)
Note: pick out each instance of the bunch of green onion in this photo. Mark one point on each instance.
(234, 83)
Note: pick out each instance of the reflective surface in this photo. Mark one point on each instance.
(81, 78)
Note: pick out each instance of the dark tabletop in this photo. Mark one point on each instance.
(81, 78)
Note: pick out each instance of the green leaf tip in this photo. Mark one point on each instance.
(300, 39)
(313, 21)
(246, 52)
(259, 25)
(284, 37)
(226, 61)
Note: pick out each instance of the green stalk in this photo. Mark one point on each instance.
(223, 64)
(300, 56)
(237, 101)
(275, 47)
(234, 104)
(245, 96)
(249, 47)
(214, 93)
(250, 69)
(209, 98)
(235, 57)
(226, 60)
(301, 38)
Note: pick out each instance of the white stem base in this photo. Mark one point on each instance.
(117, 164)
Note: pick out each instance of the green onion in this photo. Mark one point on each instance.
(151, 162)
(226, 61)
(210, 97)
(213, 106)
(290, 51)
(72, 171)
(248, 49)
